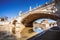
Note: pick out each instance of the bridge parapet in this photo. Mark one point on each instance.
(46, 8)
(42, 7)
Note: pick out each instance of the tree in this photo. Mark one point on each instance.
(4, 18)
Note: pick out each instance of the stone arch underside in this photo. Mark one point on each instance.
(28, 20)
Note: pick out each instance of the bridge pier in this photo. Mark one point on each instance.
(18, 30)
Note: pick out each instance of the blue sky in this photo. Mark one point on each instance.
(10, 8)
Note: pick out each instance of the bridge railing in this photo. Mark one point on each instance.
(40, 7)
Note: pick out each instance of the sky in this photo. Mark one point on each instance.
(11, 8)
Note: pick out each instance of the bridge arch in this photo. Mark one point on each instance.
(28, 20)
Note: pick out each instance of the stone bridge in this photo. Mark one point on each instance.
(45, 11)
(48, 10)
